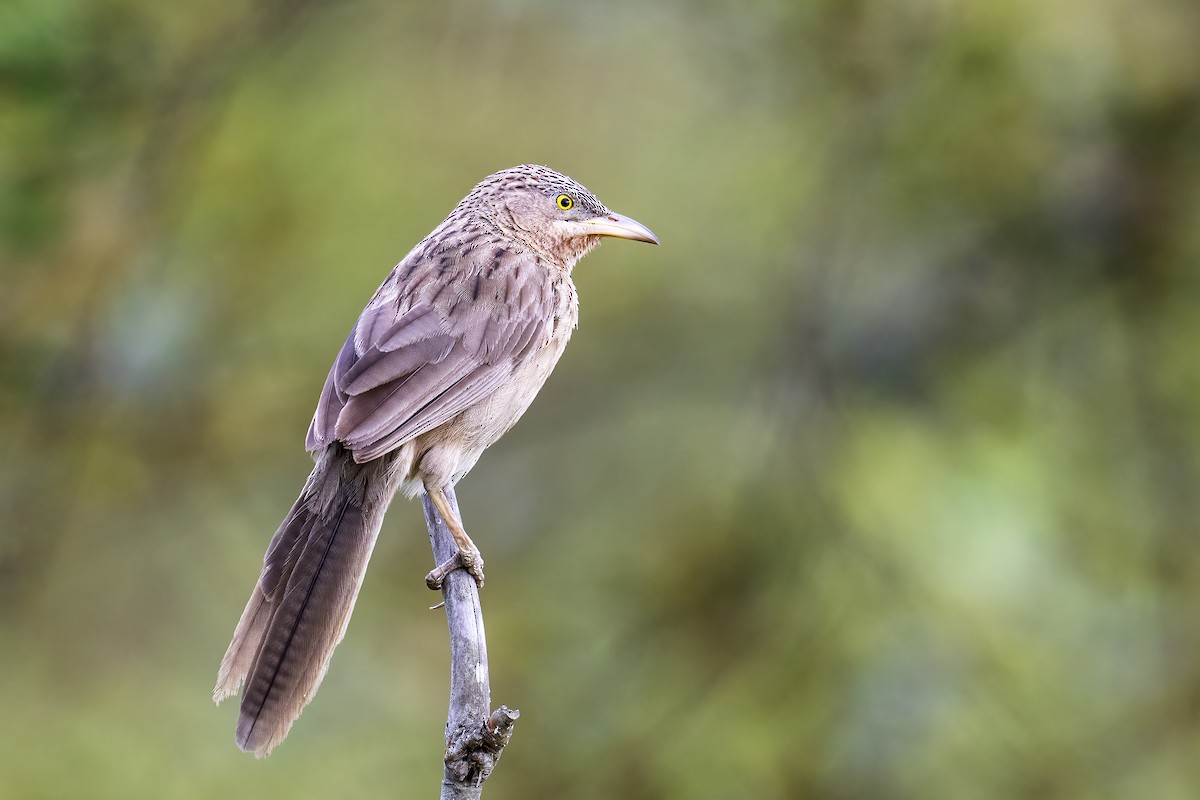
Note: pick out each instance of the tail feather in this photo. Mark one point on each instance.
(240, 655)
(301, 605)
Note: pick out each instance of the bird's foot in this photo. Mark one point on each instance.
(468, 559)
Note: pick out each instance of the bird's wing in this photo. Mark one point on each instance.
(406, 369)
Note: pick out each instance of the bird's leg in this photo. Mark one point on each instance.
(467, 557)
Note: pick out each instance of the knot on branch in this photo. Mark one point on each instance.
(498, 729)
(471, 755)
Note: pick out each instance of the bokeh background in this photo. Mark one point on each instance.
(878, 479)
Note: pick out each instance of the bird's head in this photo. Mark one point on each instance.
(550, 213)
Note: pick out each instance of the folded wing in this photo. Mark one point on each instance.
(408, 368)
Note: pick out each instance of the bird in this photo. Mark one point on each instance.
(445, 358)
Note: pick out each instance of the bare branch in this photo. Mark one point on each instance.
(474, 735)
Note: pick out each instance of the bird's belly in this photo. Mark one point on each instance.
(444, 455)
(488, 420)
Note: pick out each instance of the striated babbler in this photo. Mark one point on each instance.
(444, 359)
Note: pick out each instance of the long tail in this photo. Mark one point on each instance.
(301, 605)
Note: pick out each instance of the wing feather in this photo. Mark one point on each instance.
(431, 344)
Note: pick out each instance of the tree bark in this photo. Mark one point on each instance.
(474, 735)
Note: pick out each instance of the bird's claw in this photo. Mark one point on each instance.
(470, 560)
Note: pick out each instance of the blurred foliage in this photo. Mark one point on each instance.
(877, 479)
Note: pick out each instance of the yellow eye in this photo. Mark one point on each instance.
(564, 201)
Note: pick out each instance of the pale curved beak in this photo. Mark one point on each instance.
(620, 226)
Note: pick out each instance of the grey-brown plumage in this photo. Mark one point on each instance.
(445, 358)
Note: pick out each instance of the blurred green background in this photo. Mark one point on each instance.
(878, 479)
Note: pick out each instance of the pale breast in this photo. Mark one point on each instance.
(445, 455)
(490, 419)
